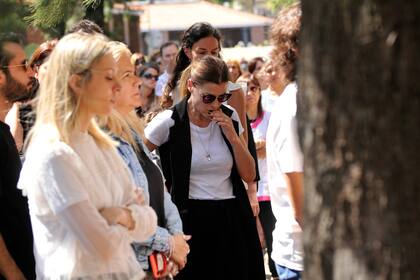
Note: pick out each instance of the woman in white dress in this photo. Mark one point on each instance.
(84, 210)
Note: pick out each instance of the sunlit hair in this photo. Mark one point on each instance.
(120, 125)
(118, 49)
(123, 126)
(284, 35)
(58, 107)
(209, 69)
(237, 65)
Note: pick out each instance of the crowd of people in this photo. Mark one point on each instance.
(115, 165)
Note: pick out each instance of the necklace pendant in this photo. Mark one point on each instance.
(208, 157)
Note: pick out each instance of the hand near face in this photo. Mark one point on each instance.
(225, 124)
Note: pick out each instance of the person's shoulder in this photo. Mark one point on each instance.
(164, 115)
(45, 149)
(164, 118)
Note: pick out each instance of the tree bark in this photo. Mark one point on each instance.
(359, 97)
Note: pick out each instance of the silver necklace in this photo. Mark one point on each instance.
(206, 151)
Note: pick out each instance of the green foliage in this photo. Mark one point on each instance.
(276, 5)
(11, 15)
(50, 15)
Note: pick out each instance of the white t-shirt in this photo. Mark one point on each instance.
(67, 185)
(268, 100)
(259, 131)
(209, 179)
(284, 156)
(161, 83)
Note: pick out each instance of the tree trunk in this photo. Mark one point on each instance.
(359, 84)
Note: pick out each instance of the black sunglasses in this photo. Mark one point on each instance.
(150, 76)
(210, 98)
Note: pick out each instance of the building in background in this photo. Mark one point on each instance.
(161, 21)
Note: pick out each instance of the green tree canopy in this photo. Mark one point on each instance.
(11, 16)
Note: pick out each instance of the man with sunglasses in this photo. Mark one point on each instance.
(16, 244)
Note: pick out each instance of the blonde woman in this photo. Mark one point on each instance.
(126, 129)
(84, 210)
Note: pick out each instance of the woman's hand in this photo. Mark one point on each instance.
(118, 215)
(140, 197)
(180, 250)
(253, 200)
(260, 147)
(171, 269)
(226, 124)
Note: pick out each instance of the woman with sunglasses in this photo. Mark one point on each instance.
(84, 210)
(126, 128)
(205, 159)
(149, 74)
(199, 40)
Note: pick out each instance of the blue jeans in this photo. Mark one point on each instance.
(287, 273)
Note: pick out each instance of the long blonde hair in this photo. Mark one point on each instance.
(58, 106)
(117, 124)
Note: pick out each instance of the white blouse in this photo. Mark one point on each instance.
(67, 185)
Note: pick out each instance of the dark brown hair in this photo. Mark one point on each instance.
(209, 69)
(252, 64)
(192, 35)
(41, 53)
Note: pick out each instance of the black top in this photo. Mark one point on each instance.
(27, 118)
(155, 182)
(15, 224)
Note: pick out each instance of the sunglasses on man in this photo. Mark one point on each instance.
(24, 65)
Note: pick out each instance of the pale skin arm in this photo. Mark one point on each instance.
(294, 182)
(118, 215)
(252, 196)
(243, 159)
(8, 267)
(149, 145)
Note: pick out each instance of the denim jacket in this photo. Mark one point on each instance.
(160, 240)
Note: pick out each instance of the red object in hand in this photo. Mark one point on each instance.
(158, 262)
